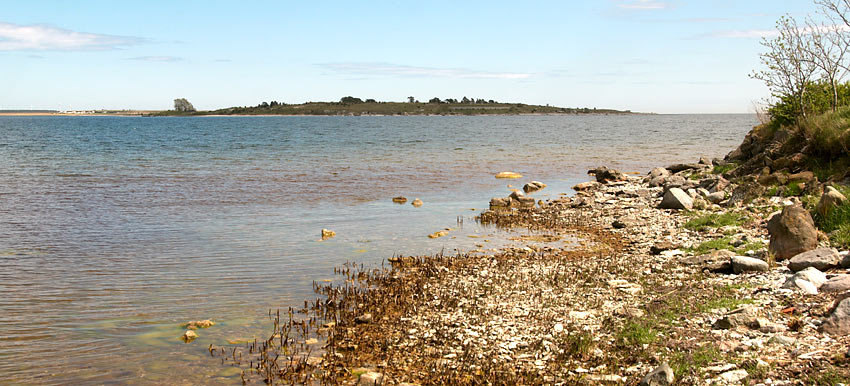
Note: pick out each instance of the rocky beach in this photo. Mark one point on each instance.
(690, 274)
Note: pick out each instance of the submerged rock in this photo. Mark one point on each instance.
(400, 199)
(437, 234)
(533, 186)
(604, 175)
(500, 202)
(327, 233)
(508, 175)
(792, 232)
(199, 324)
(189, 336)
(416, 202)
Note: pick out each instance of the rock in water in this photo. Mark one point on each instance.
(499, 202)
(327, 233)
(839, 322)
(437, 234)
(508, 175)
(585, 186)
(676, 198)
(400, 199)
(821, 258)
(196, 324)
(416, 202)
(830, 199)
(792, 232)
(661, 376)
(189, 336)
(748, 264)
(533, 186)
(603, 174)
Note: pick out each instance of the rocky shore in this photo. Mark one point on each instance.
(676, 277)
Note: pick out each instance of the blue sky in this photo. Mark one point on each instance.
(666, 56)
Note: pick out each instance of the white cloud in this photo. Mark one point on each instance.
(744, 34)
(643, 4)
(37, 37)
(157, 58)
(389, 69)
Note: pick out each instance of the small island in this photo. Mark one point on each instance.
(352, 106)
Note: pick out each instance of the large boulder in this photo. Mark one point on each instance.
(603, 174)
(792, 232)
(830, 199)
(585, 186)
(838, 323)
(533, 186)
(676, 198)
(838, 283)
(821, 258)
(658, 172)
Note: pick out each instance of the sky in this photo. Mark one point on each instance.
(663, 56)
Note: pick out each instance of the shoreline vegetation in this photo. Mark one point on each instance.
(732, 271)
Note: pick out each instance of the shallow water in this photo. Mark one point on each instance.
(117, 229)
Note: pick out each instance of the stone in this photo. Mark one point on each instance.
(805, 176)
(830, 199)
(674, 182)
(812, 275)
(327, 233)
(363, 319)
(189, 336)
(782, 340)
(705, 161)
(500, 202)
(682, 167)
(838, 283)
(799, 284)
(716, 197)
(791, 232)
(585, 186)
(508, 175)
(416, 202)
(661, 376)
(196, 324)
(437, 234)
(734, 376)
(748, 264)
(838, 323)
(769, 327)
(400, 199)
(624, 222)
(658, 172)
(821, 258)
(533, 186)
(676, 198)
(370, 378)
(516, 194)
(605, 175)
(660, 246)
(744, 316)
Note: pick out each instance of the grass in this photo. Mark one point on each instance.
(792, 189)
(828, 134)
(837, 223)
(714, 220)
(686, 363)
(637, 333)
(576, 345)
(827, 377)
(720, 169)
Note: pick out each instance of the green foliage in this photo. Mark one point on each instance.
(828, 377)
(817, 99)
(689, 362)
(576, 345)
(714, 220)
(720, 169)
(635, 333)
(792, 188)
(837, 222)
(828, 134)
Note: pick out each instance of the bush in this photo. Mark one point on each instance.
(828, 134)
(837, 223)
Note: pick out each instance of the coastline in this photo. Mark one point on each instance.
(606, 290)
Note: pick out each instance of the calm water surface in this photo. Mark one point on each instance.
(115, 230)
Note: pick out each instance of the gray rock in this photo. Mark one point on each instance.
(748, 264)
(370, 379)
(769, 327)
(734, 377)
(705, 161)
(812, 275)
(682, 167)
(624, 222)
(792, 232)
(604, 175)
(661, 376)
(830, 199)
(800, 284)
(714, 183)
(821, 258)
(838, 283)
(716, 197)
(838, 323)
(676, 198)
(525, 201)
(744, 316)
(674, 182)
(533, 186)
(516, 194)
(845, 259)
(655, 182)
(658, 172)
(499, 202)
(782, 340)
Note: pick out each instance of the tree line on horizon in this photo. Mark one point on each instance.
(354, 100)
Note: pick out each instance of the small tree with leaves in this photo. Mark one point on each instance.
(182, 105)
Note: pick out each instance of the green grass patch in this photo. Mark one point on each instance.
(792, 189)
(685, 363)
(576, 345)
(828, 134)
(714, 220)
(827, 377)
(720, 169)
(635, 333)
(837, 222)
